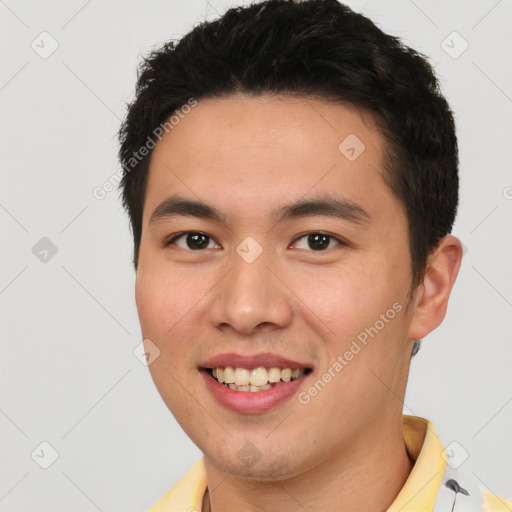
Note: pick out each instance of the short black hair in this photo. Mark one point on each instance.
(312, 49)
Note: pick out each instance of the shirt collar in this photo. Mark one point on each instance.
(420, 490)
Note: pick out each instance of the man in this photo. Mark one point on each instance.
(290, 172)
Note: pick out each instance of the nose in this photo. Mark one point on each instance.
(251, 297)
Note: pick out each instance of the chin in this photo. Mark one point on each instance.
(259, 467)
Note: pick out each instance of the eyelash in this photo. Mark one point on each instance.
(184, 233)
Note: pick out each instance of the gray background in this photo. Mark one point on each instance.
(69, 324)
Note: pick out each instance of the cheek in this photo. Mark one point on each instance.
(148, 298)
(360, 310)
(161, 299)
(344, 300)
(171, 315)
(161, 303)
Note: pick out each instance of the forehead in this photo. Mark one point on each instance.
(245, 152)
(241, 121)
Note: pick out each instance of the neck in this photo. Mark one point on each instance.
(368, 478)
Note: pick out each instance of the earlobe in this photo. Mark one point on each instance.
(432, 296)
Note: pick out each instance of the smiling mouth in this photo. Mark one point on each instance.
(256, 379)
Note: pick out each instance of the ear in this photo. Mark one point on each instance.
(431, 300)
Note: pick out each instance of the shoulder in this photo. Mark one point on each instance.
(186, 494)
(494, 503)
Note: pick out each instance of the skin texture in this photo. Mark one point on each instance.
(246, 156)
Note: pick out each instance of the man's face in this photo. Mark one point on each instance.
(254, 282)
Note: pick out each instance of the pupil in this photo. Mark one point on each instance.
(194, 241)
(318, 241)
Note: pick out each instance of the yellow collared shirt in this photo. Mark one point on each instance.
(432, 486)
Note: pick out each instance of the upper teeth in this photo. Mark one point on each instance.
(257, 377)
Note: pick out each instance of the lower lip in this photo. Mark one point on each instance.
(251, 402)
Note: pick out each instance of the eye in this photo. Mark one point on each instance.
(192, 240)
(318, 241)
(195, 240)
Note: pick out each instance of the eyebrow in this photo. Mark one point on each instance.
(336, 207)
